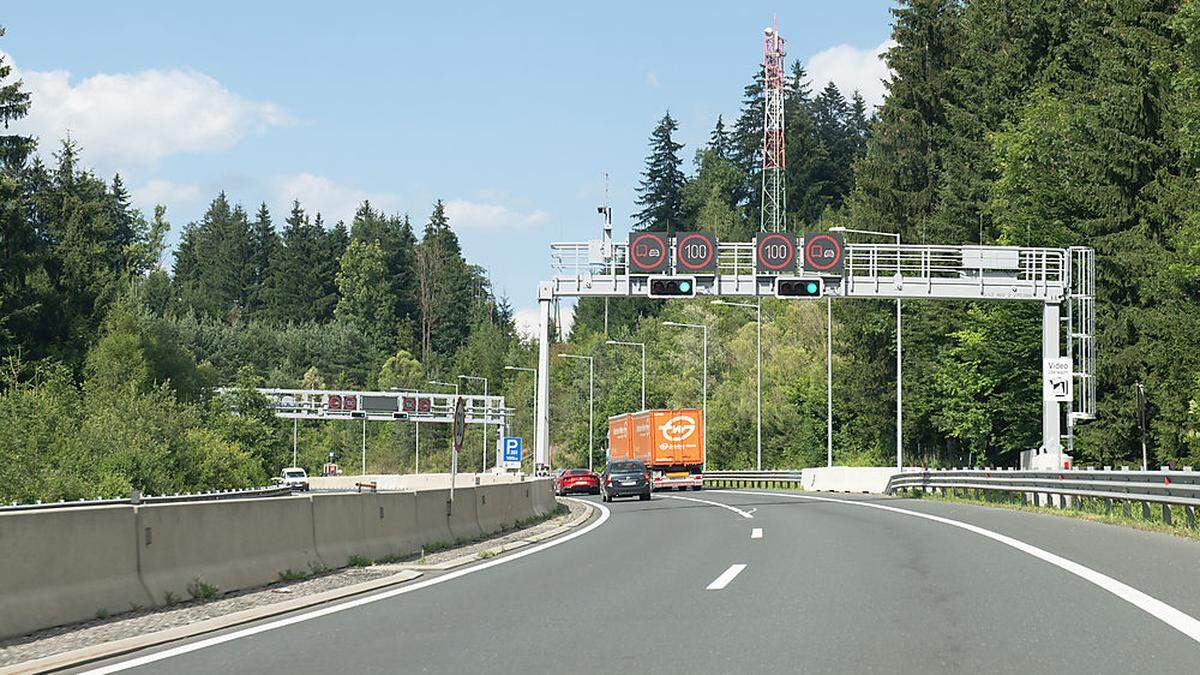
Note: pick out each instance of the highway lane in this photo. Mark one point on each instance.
(828, 587)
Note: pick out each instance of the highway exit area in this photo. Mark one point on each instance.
(737, 581)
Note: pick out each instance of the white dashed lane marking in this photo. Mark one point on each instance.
(726, 577)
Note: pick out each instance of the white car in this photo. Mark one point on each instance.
(294, 477)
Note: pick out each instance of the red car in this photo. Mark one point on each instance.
(577, 480)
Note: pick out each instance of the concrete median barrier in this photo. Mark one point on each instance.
(859, 479)
(67, 565)
(339, 526)
(494, 506)
(389, 525)
(464, 519)
(433, 521)
(229, 544)
(542, 496)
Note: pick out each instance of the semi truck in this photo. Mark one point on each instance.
(669, 442)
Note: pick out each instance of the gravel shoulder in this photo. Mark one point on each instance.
(142, 621)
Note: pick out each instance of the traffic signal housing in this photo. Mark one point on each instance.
(793, 287)
(672, 287)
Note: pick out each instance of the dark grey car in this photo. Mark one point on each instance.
(625, 478)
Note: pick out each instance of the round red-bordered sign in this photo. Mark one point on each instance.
(639, 264)
(826, 264)
(690, 265)
(766, 239)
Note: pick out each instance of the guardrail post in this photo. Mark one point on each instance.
(1166, 509)
(1191, 516)
(1146, 510)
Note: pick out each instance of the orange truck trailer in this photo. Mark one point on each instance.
(669, 442)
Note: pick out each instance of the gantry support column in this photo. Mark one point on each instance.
(1051, 433)
(542, 453)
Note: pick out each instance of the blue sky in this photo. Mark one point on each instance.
(510, 112)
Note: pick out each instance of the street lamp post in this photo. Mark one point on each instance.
(532, 371)
(757, 307)
(483, 465)
(829, 381)
(643, 346)
(703, 386)
(899, 342)
(591, 401)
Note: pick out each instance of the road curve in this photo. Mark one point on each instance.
(677, 585)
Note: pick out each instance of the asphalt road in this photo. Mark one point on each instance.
(830, 587)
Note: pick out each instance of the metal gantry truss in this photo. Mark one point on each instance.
(341, 404)
(1051, 276)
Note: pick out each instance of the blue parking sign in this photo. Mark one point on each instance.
(511, 449)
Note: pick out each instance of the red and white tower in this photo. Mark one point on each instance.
(774, 197)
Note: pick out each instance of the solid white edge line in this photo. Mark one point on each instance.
(726, 577)
(744, 514)
(333, 609)
(756, 533)
(1177, 619)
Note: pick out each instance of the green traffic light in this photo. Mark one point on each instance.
(685, 286)
(811, 287)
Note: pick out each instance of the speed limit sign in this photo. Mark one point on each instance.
(774, 252)
(696, 253)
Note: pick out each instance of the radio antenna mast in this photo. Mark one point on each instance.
(774, 196)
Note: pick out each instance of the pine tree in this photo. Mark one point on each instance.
(14, 105)
(20, 247)
(264, 246)
(660, 192)
(859, 124)
(748, 144)
(215, 269)
(718, 141)
(85, 262)
(444, 288)
(837, 139)
(804, 152)
(897, 181)
(298, 289)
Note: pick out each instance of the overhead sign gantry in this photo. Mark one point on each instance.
(412, 406)
(822, 264)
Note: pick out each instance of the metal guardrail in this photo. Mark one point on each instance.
(247, 493)
(788, 478)
(1164, 487)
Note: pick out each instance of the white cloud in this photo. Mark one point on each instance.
(528, 320)
(165, 192)
(468, 215)
(334, 201)
(652, 80)
(852, 69)
(141, 117)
